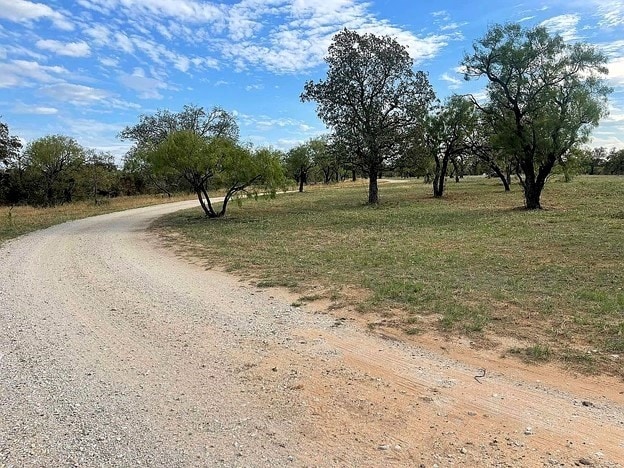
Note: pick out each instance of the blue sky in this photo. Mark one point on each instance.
(88, 68)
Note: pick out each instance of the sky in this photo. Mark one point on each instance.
(89, 68)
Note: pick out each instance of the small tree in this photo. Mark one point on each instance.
(298, 163)
(447, 136)
(371, 98)
(98, 174)
(545, 96)
(53, 159)
(215, 163)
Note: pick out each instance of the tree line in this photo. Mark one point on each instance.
(542, 99)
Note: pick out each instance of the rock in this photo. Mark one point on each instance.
(528, 431)
(463, 450)
(383, 447)
(471, 413)
(587, 403)
(586, 462)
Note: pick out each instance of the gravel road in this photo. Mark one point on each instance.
(114, 352)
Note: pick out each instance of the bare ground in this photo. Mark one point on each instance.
(114, 352)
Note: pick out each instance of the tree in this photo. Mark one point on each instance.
(53, 159)
(371, 98)
(10, 146)
(98, 174)
(202, 148)
(447, 137)
(615, 162)
(545, 96)
(298, 163)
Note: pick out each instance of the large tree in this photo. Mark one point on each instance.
(202, 148)
(371, 97)
(545, 96)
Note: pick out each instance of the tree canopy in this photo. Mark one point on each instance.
(372, 98)
(544, 97)
(202, 148)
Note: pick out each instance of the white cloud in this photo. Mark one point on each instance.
(124, 43)
(147, 87)
(616, 71)
(78, 95)
(564, 25)
(70, 49)
(23, 11)
(611, 12)
(99, 33)
(454, 82)
(254, 87)
(24, 73)
(109, 62)
(21, 108)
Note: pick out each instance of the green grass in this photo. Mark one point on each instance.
(473, 261)
(24, 219)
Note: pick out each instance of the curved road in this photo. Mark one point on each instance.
(114, 352)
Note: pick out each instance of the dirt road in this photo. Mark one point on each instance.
(113, 352)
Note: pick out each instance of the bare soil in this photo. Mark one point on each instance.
(115, 352)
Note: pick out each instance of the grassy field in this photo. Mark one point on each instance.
(473, 263)
(23, 219)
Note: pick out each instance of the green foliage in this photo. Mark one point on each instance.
(544, 95)
(51, 164)
(372, 99)
(10, 145)
(201, 148)
(447, 136)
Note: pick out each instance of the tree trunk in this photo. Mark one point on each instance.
(300, 184)
(440, 176)
(353, 176)
(532, 193)
(373, 190)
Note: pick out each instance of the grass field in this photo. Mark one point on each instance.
(23, 219)
(473, 263)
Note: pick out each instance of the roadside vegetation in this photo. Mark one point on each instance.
(471, 264)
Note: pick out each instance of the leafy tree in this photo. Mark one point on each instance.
(371, 98)
(447, 136)
(154, 129)
(53, 159)
(214, 160)
(10, 146)
(545, 96)
(98, 174)
(298, 163)
(615, 162)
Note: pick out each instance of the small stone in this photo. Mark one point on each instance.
(528, 431)
(463, 450)
(586, 462)
(587, 403)
(397, 447)
(383, 447)
(471, 413)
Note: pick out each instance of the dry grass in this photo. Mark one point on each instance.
(471, 263)
(23, 219)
